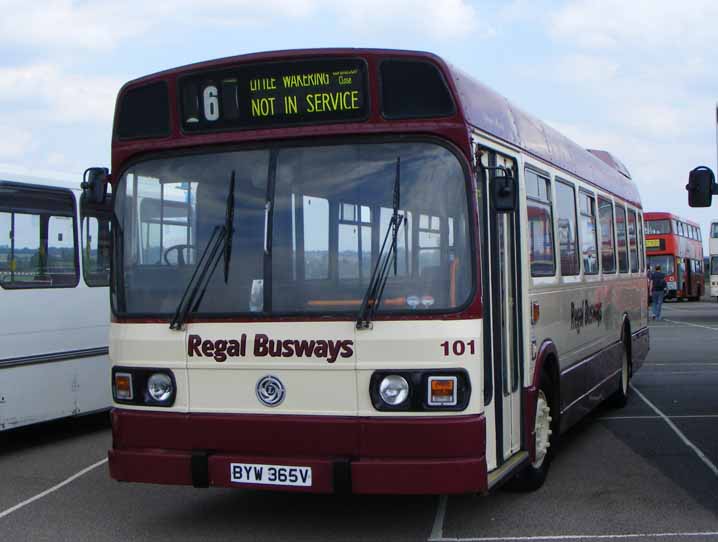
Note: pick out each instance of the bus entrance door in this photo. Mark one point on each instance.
(503, 326)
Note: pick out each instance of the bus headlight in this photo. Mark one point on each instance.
(159, 387)
(394, 390)
(420, 390)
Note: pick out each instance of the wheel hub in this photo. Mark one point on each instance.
(542, 429)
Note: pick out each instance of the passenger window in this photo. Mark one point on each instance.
(622, 239)
(633, 241)
(37, 244)
(316, 246)
(589, 243)
(641, 247)
(541, 247)
(354, 241)
(96, 243)
(566, 217)
(608, 245)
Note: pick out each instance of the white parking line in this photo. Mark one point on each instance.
(678, 432)
(51, 490)
(690, 324)
(679, 417)
(634, 536)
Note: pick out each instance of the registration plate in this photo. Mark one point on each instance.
(271, 475)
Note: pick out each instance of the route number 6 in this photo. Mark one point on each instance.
(211, 103)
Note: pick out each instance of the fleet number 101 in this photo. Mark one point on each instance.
(459, 348)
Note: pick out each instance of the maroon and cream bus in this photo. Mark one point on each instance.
(359, 270)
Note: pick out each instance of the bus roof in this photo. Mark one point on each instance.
(477, 105)
(661, 215)
(50, 179)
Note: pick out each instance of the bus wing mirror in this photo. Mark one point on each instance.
(94, 184)
(503, 189)
(701, 187)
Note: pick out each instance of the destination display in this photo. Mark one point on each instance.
(275, 94)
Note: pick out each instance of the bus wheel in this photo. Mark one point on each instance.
(620, 397)
(545, 434)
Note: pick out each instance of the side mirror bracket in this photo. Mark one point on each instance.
(503, 190)
(701, 187)
(94, 185)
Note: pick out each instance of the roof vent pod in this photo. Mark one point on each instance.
(612, 161)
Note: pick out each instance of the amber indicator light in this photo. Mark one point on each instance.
(442, 391)
(123, 386)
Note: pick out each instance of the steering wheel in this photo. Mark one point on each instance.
(180, 253)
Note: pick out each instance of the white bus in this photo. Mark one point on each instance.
(713, 262)
(54, 272)
(360, 270)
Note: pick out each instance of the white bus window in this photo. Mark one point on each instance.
(61, 250)
(589, 242)
(541, 247)
(566, 218)
(714, 230)
(37, 239)
(5, 245)
(633, 240)
(96, 242)
(608, 245)
(621, 235)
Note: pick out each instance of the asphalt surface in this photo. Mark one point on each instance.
(644, 472)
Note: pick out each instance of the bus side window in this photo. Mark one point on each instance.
(608, 245)
(566, 218)
(540, 221)
(641, 247)
(633, 241)
(96, 239)
(589, 243)
(622, 239)
(37, 244)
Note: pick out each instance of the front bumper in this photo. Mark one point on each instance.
(428, 455)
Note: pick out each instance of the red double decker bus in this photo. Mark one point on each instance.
(676, 245)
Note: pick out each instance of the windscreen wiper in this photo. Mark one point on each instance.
(200, 275)
(208, 262)
(377, 282)
(229, 228)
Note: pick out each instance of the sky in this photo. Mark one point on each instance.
(638, 78)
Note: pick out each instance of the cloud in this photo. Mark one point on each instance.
(47, 92)
(56, 26)
(444, 20)
(640, 24)
(15, 141)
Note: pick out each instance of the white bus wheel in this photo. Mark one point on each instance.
(542, 429)
(545, 435)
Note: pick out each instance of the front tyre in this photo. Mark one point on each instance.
(545, 437)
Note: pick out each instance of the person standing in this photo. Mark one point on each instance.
(658, 289)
